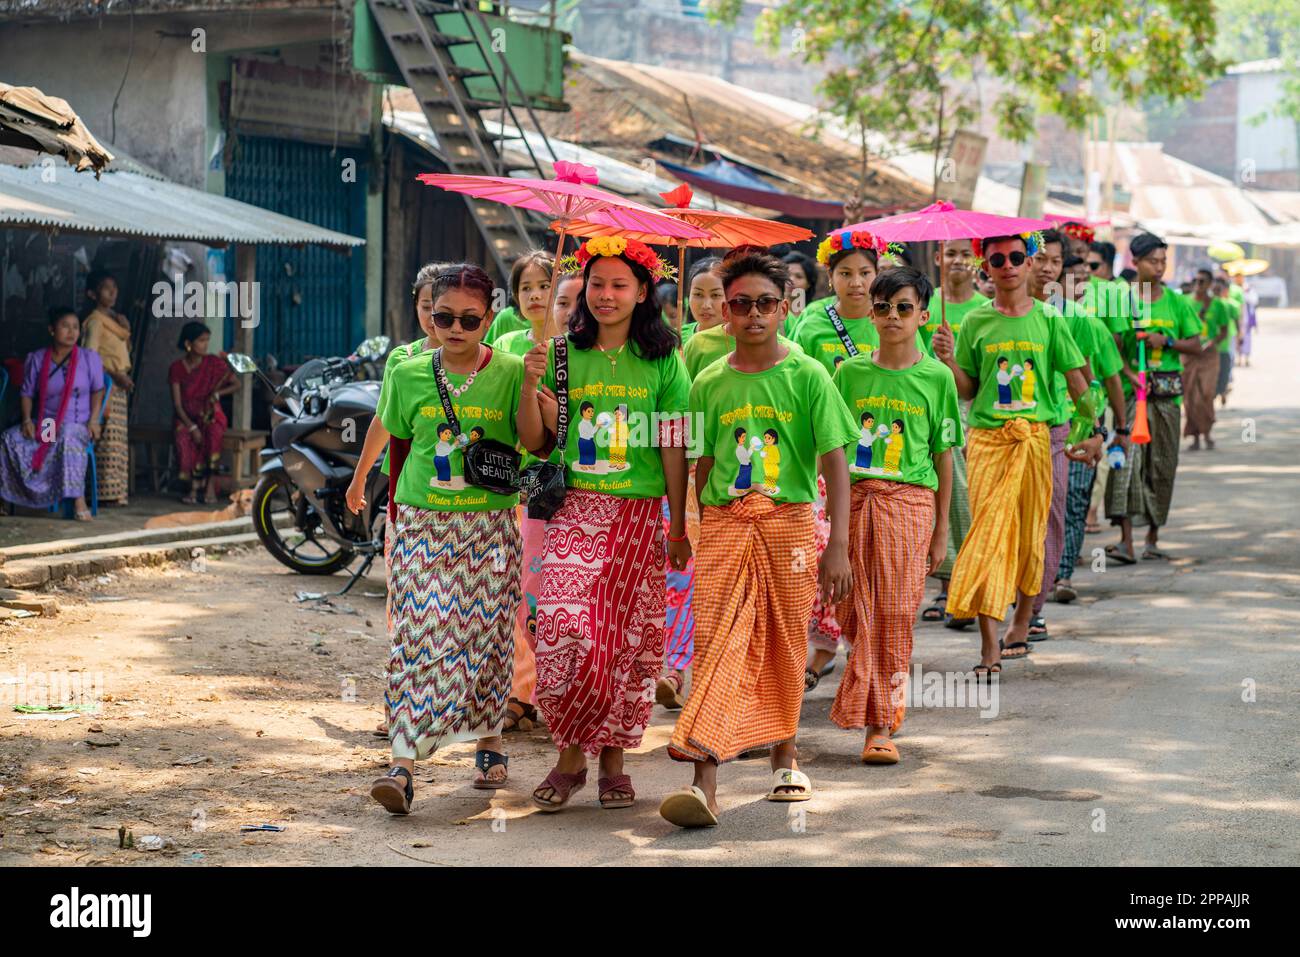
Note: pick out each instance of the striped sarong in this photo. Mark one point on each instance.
(889, 546)
(455, 584)
(1010, 471)
(1144, 488)
(958, 513)
(824, 629)
(600, 620)
(523, 686)
(1054, 538)
(757, 577)
(1078, 497)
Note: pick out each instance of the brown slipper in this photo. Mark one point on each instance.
(618, 784)
(395, 798)
(880, 750)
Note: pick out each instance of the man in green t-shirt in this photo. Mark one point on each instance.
(906, 404)
(769, 419)
(1223, 291)
(1004, 363)
(1161, 328)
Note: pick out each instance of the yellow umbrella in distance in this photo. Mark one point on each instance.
(1225, 251)
(1245, 267)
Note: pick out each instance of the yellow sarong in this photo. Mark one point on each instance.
(1010, 476)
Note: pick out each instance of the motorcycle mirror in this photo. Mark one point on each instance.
(241, 363)
(373, 347)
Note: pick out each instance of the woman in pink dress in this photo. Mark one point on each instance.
(198, 381)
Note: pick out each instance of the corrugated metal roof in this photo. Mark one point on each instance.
(128, 204)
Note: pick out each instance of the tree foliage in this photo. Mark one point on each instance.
(902, 58)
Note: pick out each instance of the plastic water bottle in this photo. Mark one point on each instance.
(1116, 456)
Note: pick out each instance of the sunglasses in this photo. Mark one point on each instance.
(1094, 266)
(445, 320)
(741, 305)
(998, 260)
(883, 309)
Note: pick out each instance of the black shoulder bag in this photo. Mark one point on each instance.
(543, 483)
(833, 315)
(489, 464)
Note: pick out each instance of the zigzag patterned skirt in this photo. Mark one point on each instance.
(454, 583)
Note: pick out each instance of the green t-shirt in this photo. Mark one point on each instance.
(956, 312)
(903, 417)
(817, 337)
(766, 430)
(614, 416)
(1107, 299)
(815, 308)
(505, 321)
(1217, 315)
(398, 355)
(1236, 295)
(1170, 315)
(1097, 346)
(688, 330)
(1014, 358)
(1234, 317)
(709, 345)
(517, 343)
(433, 476)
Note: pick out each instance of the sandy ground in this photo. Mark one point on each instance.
(1157, 727)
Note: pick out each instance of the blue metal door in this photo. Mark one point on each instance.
(312, 299)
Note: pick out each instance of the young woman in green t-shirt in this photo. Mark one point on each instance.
(456, 548)
(600, 614)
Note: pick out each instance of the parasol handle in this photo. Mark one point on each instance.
(547, 326)
(681, 279)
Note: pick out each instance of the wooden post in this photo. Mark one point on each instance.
(245, 272)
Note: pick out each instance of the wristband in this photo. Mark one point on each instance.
(1101, 430)
(1123, 431)
(1169, 342)
(678, 540)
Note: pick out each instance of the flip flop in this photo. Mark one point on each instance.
(1004, 648)
(936, 610)
(1064, 592)
(687, 808)
(1153, 554)
(564, 785)
(1114, 554)
(811, 678)
(395, 798)
(522, 719)
(1092, 529)
(381, 731)
(485, 761)
(877, 753)
(988, 671)
(958, 624)
(1043, 635)
(790, 778)
(618, 783)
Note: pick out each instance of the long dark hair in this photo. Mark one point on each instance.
(651, 337)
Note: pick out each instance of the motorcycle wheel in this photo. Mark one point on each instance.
(303, 551)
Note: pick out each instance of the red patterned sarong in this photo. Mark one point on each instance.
(600, 620)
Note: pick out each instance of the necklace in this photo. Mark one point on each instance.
(469, 380)
(613, 359)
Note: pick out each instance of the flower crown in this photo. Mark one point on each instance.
(843, 240)
(632, 249)
(1079, 231)
(1033, 243)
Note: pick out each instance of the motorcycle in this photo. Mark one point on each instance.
(319, 418)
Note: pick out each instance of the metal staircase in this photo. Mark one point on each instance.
(423, 54)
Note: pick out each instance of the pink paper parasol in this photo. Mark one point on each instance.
(942, 221)
(724, 231)
(569, 198)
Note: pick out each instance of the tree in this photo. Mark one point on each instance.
(1259, 29)
(905, 64)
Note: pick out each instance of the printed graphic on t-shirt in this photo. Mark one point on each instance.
(758, 461)
(1017, 379)
(602, 439)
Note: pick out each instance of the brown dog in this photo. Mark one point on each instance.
(241, 504)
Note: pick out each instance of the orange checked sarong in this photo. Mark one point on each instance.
(1010, 475)
(755, 580)
(890, 526)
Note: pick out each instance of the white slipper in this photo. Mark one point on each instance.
(789, 778)
(689, 808)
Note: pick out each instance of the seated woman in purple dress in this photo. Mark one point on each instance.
(43, 460)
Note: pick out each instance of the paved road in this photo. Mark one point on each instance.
(1124, 740)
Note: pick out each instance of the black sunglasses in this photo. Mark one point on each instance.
(882, 309)
(1094, 266)
(741, 305)
(445, 320)
(998, 260)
